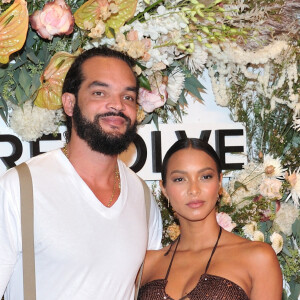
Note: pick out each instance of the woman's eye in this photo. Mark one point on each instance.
(178, 179)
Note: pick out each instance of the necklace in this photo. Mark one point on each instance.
(116, 177)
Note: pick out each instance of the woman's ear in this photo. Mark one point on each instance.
(68, 101)
(163, 190)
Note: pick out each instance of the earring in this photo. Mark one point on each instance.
(168, 201)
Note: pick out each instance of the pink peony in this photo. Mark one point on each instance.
(150, 100)
(270, 188)
(225, 221)
(55, 19)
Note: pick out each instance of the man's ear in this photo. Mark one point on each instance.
(68, 101)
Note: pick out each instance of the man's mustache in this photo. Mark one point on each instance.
(113, 114)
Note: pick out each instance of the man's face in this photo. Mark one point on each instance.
(104, 113)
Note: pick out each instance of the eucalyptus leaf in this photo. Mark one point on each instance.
(296, 229)
(33, 57)
(170, 102)
(2, 73)
(20, 95)
(147, 119)
(35, 83)
(3, 109)
(286, 251)
(25, 81)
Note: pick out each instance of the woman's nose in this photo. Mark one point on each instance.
(194, 188)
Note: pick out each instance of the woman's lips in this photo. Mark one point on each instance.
(195, 204)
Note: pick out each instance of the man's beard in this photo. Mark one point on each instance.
(97, 138)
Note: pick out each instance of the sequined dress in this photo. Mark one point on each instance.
(209, 287)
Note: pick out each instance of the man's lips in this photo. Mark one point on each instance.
(114, 120)
(195, 203)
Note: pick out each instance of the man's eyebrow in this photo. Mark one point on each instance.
(103, 84)
(97, 83)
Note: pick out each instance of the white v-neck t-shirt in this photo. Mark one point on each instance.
(83, 250)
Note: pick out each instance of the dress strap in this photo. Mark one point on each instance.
(214, 249)
(178, 239)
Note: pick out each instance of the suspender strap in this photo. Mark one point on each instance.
(147, 205)
(26, 194)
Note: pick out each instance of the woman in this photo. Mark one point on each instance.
(229, 267)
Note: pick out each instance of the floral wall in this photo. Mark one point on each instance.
(250, 51)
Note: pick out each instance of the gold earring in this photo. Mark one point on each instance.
(168, 201)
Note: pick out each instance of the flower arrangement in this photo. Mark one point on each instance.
(251, 51)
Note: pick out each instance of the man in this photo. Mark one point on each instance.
(89, 209)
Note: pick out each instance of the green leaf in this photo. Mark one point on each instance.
(170, 102)
(296, 230)
(284, 295)
(238, 185)
(192, 84)
(144, 82)
(25, 81)
(179, 112)
(192, 80)
(35, 83)
(2, 73)
(33, 57)
(147, 119)
(182, 99)
(20, 95)
(3, 110)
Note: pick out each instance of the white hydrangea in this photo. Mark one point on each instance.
(285, 218)
(31, 122)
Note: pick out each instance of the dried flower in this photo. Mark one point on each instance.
(249, 229)
(272, 166)
(175, 84)
(173, 231)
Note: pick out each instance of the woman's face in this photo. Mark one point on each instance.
(192, 184)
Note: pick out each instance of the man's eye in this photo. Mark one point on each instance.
(129, 98)
(207, 176)
(98, 93)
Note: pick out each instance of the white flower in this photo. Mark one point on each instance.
(272, 167)
(258, 236)
(249, 229)
(175, 84)
(277, 242)
(196, 60)
(296, 124)
(294, 181)
(285, 218)
(31, 122)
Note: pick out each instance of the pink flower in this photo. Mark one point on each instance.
(270, 188)
(225, 221)
(150, 100)
(55, 19)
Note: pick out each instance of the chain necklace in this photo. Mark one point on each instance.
(116, 177)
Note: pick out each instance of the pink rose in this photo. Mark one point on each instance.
(55, 19)
(225, 221)
(150, 100)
